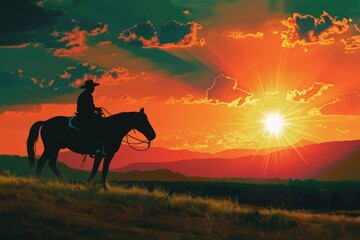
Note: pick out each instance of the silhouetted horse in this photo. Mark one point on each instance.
(56, 134)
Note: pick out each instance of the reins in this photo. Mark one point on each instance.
(140, 141)
(102, 108)
(127, 136)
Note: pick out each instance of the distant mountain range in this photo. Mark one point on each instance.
(326, 161)
(311, 161)
(126, 156)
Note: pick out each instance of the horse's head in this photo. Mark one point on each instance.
(143, 125)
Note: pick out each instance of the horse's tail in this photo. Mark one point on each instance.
(33, 136)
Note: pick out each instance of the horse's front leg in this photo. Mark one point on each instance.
(95, 168)
(105, 169)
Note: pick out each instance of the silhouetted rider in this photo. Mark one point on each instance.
(85, 104)
(89, 116)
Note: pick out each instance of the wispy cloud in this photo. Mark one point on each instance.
(304, 96)
(188, 99)
(341, 132)
(16, 46)
(345, 104)
(352, 44)
(242, 35)
(75, 40)
(76, 75)
(224, 91)
(201, 140)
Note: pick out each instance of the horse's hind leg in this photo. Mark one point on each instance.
(105, 169)
(52, 163)
(41, 163)
(95, 168)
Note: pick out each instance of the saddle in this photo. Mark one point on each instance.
(74, 123)
(94, 140)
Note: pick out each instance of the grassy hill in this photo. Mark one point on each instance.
(19, 166)
(38, 209)
(285, 193)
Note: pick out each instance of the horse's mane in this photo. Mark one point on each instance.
(122, 115)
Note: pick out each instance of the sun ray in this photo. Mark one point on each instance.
(274, 124)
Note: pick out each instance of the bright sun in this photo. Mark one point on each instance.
(274, 124)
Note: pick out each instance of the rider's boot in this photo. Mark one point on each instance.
(101, 149)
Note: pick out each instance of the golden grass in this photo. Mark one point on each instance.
(134, 213)
(309, 216)
(177, 201)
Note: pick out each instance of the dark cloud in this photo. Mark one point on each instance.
(172, 34)
(29, 21)
(122, 14)
(307, 29)
(22, 20)
(75, 76)
(141, 34)
(20, 89)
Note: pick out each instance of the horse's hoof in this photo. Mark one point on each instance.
(105, 186)
(90, 181)
(60, 179)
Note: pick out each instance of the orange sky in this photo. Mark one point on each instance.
(210, 89)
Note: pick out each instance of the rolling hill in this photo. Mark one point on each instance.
(301, 163)
(126, 156)
(36, 209)
(347, 168)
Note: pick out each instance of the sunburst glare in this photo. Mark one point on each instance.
(274, 124)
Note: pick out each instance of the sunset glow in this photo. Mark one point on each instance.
(210, 76)
(180, 119)
(274, 124)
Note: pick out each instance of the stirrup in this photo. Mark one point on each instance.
(102, 150)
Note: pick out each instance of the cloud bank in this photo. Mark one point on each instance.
(172, 34)
(305, 30)
(24, 21)
(18, 89)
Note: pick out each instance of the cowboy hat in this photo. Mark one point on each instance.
(89, 83)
